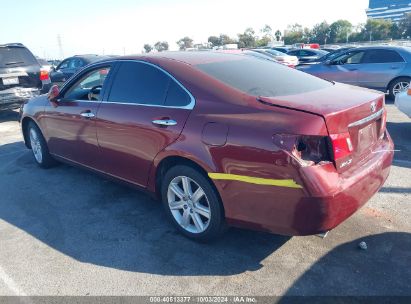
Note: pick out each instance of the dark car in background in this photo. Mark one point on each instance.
(69, 66)
(305, 55)
(21, 76)
(383, 68)
(329, 56)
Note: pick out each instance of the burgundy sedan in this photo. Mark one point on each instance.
(222, 139)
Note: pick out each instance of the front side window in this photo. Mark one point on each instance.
(64, 64)
(349, 58)
(92, 83)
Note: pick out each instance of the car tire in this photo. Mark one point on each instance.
(396, 84)
(192, 203)
(39, 146)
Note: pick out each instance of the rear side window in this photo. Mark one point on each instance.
(16, 56)
(382, 56)
(139, 83)
(176, 96)
(262, 77)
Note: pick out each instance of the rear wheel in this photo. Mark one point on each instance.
(192, 203)
(398, 85)
(39, 146)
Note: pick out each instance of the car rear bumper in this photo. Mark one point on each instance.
(14, 97)
(326, 200)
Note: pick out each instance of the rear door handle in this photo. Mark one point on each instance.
(164, 122)
(87, 114)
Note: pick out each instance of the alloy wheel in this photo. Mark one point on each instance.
(400, 87)
(188, 204)
(36, 145)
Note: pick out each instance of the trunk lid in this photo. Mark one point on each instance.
(346, 110)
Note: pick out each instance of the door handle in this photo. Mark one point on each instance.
(87, 114)
(164, 122)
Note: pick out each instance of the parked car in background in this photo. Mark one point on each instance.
(21, 76)
(384, 68)
(290, 61)
(45, 65)
(69, 66)
(329, 56)
(305, 55)
(282, 49)
(403, 102)
(220, 139)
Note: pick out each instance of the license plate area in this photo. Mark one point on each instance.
(367, 137)
(10, 80)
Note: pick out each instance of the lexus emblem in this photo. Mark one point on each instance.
(373, 107)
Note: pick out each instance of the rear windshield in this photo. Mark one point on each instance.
(16, 56)
(261, 77)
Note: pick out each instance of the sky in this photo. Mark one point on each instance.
(124, 26)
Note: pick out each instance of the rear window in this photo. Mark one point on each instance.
(16, 56)
(260, 77)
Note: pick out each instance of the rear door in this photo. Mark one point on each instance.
(70, 123)
(378, 67)
(144, 112)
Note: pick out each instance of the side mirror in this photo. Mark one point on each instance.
(53, 94)
(52, 68)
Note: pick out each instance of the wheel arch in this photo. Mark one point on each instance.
(394, 79)
(165, 163)
(24, 124)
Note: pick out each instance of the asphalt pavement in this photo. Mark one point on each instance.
(66, 231)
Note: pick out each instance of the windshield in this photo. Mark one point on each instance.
(16, 56)
(262, 77)
(275, 53)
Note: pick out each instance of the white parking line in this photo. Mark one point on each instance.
(10, 283)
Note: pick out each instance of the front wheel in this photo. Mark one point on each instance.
(39, 146)
(192, 203)
(398, 85)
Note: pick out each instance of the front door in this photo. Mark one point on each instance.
(70, 123)
(145, 111)
(345, 68)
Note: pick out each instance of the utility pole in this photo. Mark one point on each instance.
(60, 45)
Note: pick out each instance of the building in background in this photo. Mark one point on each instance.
(394, 10)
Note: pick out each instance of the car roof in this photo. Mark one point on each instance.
(387, 47)
(190, 58)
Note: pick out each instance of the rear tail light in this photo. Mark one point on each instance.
(409, 92)
(306, 150)
(44, 75)
(341, 145)
(383, 123)
(312, 149)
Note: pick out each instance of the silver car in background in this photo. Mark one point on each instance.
(383, 68)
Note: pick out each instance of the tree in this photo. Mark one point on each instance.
(148, 48)
(377, 29)
(161, 46)
(320, 33)
(340, 31)
(294, 34)
(185, 43)
(266, 38)
(405, 26)
(247, 39)
(221, 40)
(214, 40)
